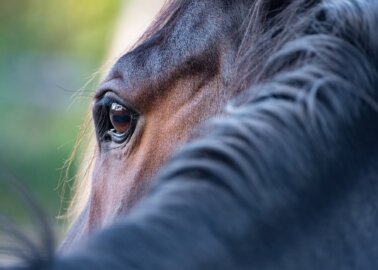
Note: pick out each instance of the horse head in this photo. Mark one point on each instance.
(178, 75)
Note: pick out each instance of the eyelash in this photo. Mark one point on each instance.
(105, 130)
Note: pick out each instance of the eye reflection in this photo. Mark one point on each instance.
(120, 117)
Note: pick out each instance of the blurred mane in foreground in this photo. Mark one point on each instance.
(285, 177)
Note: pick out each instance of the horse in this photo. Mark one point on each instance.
(182, 71)
(284, 177)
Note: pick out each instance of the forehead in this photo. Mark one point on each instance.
(181, 43)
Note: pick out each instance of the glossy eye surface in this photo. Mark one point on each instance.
(114, 122)
(120, 118)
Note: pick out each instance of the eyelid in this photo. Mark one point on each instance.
(110, 97)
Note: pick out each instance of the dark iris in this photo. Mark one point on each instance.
(120, 117)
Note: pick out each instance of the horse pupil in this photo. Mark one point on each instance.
(120, 118)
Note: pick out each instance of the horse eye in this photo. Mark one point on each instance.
(114, 122)
(120, 118)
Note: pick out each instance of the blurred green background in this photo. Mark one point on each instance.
(48, 52)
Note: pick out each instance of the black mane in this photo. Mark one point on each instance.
(287, 177)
